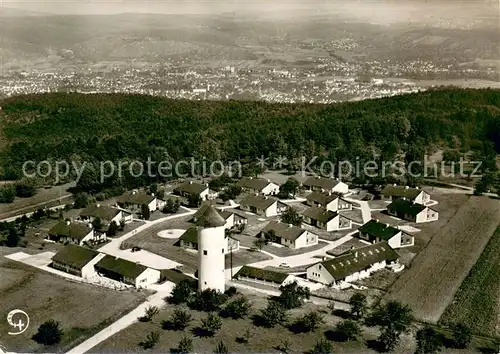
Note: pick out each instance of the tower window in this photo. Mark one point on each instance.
(223, 250)
(205, 252)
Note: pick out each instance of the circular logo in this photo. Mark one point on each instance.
(19, 320)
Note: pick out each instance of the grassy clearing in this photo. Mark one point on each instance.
(81, 309)
(477, 302)
(436, 273)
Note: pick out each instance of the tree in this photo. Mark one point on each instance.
(259, 243)
(185, 345)
(171, 207)
(112, 229)
(388, 339)
(194, 200)
(481, 186)
(428, 341)
(462, 335)
(151, 340)
(12, 238)
(145, 212)
(290, 187)
(309, 322)
(348, 330)
(211, 324)
(81, 200)
(273, 314)
(221, 348)
(182, 292)
(322, 347)
(153, 189)
(285, 345)
(49, 333)
(293, 295)
(180, 319)
(7, 194)
(358, 305)
(151, 311)
(207, 300)
(97, 223)
(237, 308)
(291, 216)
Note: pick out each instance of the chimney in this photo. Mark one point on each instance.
(98, 205)
(352, 248)
(134, 191)
(68, 222)
(190, 182)
(406, 187)
(256, 194)
(90, 226)
(394, 185)
(251, 178)
(356, 254)
(290, 225)
(268, 180)
(377, 220)
(206, 184)
(417, 187)
(152, 194)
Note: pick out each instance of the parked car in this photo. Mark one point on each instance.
(136, 249)
(284, 265)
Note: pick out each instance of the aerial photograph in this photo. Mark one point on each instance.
(250, 176)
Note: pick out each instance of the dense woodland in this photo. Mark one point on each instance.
(98, 127)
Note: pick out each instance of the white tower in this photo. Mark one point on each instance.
(211, 250)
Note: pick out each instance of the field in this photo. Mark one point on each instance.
(262, 340)
(81, 309)
(150, 241)
(436, 273)
(477, 302)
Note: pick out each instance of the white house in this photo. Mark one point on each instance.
(411, 211)
(258, 185)
(106, 213)
(375, 231)
(326, 219)
(328, 200)
(127, 272)
(326, 185)
(263, 276)
(136, 199)
(393, 192)
(263, 205)
(77, 233)
(193, 188)
(75, 260)
(288, 235)
(353, 265)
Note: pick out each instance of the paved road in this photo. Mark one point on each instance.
(156, 299)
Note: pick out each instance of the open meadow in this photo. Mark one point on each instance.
(477, 302)
(81, 309)
(436, 273)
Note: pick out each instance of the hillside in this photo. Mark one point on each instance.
(102, 127)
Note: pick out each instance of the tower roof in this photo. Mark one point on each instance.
(210, 218)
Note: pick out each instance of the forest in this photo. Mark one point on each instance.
(115, 127)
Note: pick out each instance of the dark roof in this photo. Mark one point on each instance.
(210, 218)
(191, 188)
(323, 198)
(262, 274)
(286, 231)
(401, 191)
(190, 235)
(74, 256)
(224, 213)
(121, 266)
(175, 276)
(324, 183)
(102, 211)
(378, 229)
(253, 183)
(74, 230)
(319, 213)
(259, 201)
(405, 207)
(134, 197)
(359, 259)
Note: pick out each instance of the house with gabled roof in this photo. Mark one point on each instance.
(352, 265)
(258, 185)
(411, 211)
(127, 272)
(106, 213)
(192, 188)
(78, 233)
(328, 200)
(263, 205)
(375, 231)
(76, 260)
(332, 185)
(288, 235)
(392, 192)
(263, 276)
(189, 240)
(136, 199)
(326, 219)
(232, 219)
